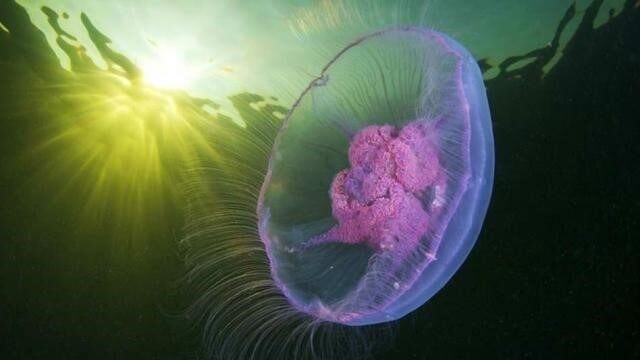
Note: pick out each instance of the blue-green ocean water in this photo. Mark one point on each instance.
(202, 39)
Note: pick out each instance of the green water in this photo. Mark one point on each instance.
(124, 129)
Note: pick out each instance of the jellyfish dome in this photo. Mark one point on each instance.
(379, 179)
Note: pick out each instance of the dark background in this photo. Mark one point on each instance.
(555, 273)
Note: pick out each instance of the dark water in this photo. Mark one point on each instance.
(554, 273)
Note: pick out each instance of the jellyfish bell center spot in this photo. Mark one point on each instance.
(379, 199)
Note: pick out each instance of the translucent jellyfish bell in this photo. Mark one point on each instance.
(379, 179)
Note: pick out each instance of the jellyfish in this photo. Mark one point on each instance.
(379, 178)
(354, 206)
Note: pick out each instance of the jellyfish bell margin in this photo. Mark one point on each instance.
(379, 179)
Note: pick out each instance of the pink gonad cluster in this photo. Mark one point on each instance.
(380, 199)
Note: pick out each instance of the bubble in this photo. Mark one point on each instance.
(379, 179)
